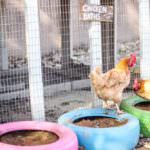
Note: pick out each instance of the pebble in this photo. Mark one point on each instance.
(143, 144)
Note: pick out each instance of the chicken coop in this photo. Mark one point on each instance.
(48, 48)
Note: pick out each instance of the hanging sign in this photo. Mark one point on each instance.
(97, 13)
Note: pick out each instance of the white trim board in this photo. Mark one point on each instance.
(50, 90)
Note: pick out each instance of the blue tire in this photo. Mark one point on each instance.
(124, 137)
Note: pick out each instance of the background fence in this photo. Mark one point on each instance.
(48, 49)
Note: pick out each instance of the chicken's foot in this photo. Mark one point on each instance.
(118, 110)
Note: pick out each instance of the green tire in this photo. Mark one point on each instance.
(128, 105)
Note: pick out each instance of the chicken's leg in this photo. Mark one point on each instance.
(118, 109)
(105, 104)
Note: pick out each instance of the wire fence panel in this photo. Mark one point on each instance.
(128, 32)
(66, 55)
(34, 59)
(64, 68)
(70, 46)
(14, 93)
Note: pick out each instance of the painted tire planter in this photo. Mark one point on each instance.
(67, 139)
(128, 105)
(124, 137)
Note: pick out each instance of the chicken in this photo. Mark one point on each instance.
(142, 88)
(110, 85)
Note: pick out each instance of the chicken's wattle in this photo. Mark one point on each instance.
(136, 85)
(132, 60)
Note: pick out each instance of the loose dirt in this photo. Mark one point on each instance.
(29, 138)
(143, 106)
(99, 122)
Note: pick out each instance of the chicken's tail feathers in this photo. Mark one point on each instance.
(97, 71)
(91, 75)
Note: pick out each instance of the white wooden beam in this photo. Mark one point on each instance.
(144, 7)
(95, 48)
(4, 50)
(4, 58)
(34, 59)
(95, 41)
(71, 28)
(115, 29)
(49, 90)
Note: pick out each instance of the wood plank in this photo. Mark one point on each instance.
(108, 29)
(50, 90)
(65, 32)
(81, 84)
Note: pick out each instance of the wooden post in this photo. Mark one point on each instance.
(4, 57)
(65, 31)
(3, 49)
(95, 41)
(107, 35)
(95, 47)
(71, 29)
(145, 38)
(34, 59)
(115, 30)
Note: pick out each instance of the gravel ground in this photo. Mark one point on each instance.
(56, 106)
(144, 144)
(63, 103)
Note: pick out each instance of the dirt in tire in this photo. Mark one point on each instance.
(29, 138)
(143, 106)
(99, 122)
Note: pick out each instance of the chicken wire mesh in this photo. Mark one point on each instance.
(14, 98)
(66, 51)
(70, 86)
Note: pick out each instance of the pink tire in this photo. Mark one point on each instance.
(67, 139)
